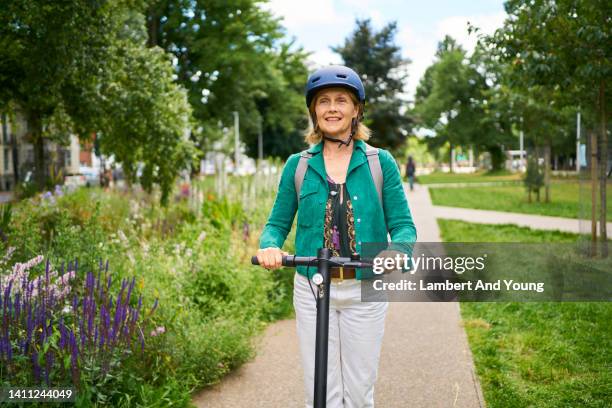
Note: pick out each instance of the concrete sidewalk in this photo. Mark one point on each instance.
(544, 222)
(425, 358)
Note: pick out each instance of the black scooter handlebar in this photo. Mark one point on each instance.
(293, 261)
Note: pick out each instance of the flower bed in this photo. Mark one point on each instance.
(191, 259)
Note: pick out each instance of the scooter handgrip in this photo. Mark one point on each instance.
(254, 260)
(288, 260)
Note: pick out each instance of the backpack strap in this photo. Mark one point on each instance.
(373, 163)
(375, 169)
(300, 172)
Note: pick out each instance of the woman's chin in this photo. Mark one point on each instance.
(336, 133)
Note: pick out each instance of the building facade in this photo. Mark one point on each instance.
(16, 152)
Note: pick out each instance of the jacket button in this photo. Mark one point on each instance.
(358, 219)
(354, 197)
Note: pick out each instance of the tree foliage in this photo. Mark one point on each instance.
(563, 48)
(376, 57)
(230, 57)
(89, 60)
(456, 100)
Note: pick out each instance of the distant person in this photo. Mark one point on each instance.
(410, 170)
(104, 179)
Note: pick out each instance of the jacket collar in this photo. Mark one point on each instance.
(318, 164)
(317, 148)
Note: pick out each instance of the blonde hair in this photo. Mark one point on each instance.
(313, 133)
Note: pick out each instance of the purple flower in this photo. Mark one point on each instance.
(48, 197)
(85, 325)
(36, 366)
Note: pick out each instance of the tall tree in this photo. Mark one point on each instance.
(231, 57)
(451, 101)
(88, 60)
(43, 46)
(376, 57)
(564, 45)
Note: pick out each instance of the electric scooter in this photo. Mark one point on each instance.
(322, 280)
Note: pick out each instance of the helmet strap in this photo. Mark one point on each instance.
(339, 141)
(354, 124)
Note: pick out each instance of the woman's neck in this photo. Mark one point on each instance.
(331, 149)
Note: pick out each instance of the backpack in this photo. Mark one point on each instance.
(373, 162)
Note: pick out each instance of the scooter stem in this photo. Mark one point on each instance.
(321, 342)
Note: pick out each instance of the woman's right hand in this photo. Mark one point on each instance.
(271, 258)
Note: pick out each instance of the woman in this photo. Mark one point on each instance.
(338, 209)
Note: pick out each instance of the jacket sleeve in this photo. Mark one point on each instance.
(395, 204)
(283, 211)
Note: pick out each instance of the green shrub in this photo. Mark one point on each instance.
(213, 303)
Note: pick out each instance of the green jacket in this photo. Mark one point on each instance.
(372, 223)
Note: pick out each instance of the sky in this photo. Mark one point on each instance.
(318, 25)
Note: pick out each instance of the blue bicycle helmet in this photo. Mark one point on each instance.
(334, 75)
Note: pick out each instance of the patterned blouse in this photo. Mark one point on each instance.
(339, 232)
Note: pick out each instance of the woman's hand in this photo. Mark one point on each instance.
(271, 258)
(392, 255)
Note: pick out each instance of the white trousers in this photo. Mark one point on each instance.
(356, 331)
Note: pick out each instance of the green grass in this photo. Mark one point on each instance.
(478, 177)
(536, 354)
(568, 199)
(461, 231)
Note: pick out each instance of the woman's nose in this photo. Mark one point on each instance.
(332, 107)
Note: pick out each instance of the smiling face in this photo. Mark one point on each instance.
(334, 109)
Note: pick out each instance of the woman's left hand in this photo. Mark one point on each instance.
(389, 260)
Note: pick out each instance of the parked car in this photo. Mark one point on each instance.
(75, 180)
(92, 175)
(87, 176)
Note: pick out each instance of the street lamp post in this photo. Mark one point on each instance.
(578, 142)
(260, 141)
(236, 141)
(521, 147)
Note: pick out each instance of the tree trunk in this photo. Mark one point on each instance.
(603, 166)
(5, 137)
(38, 143)
(498, 157)
(452, 159)
(547, 149)
(594, 193)
(152, 27)
(15, 153)
(471, 156)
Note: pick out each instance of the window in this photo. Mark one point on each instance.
(67, 158)
(7, 157)
(5, 126)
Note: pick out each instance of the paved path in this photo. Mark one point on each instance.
(544, 222)
(273, 379)
(425, 358)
